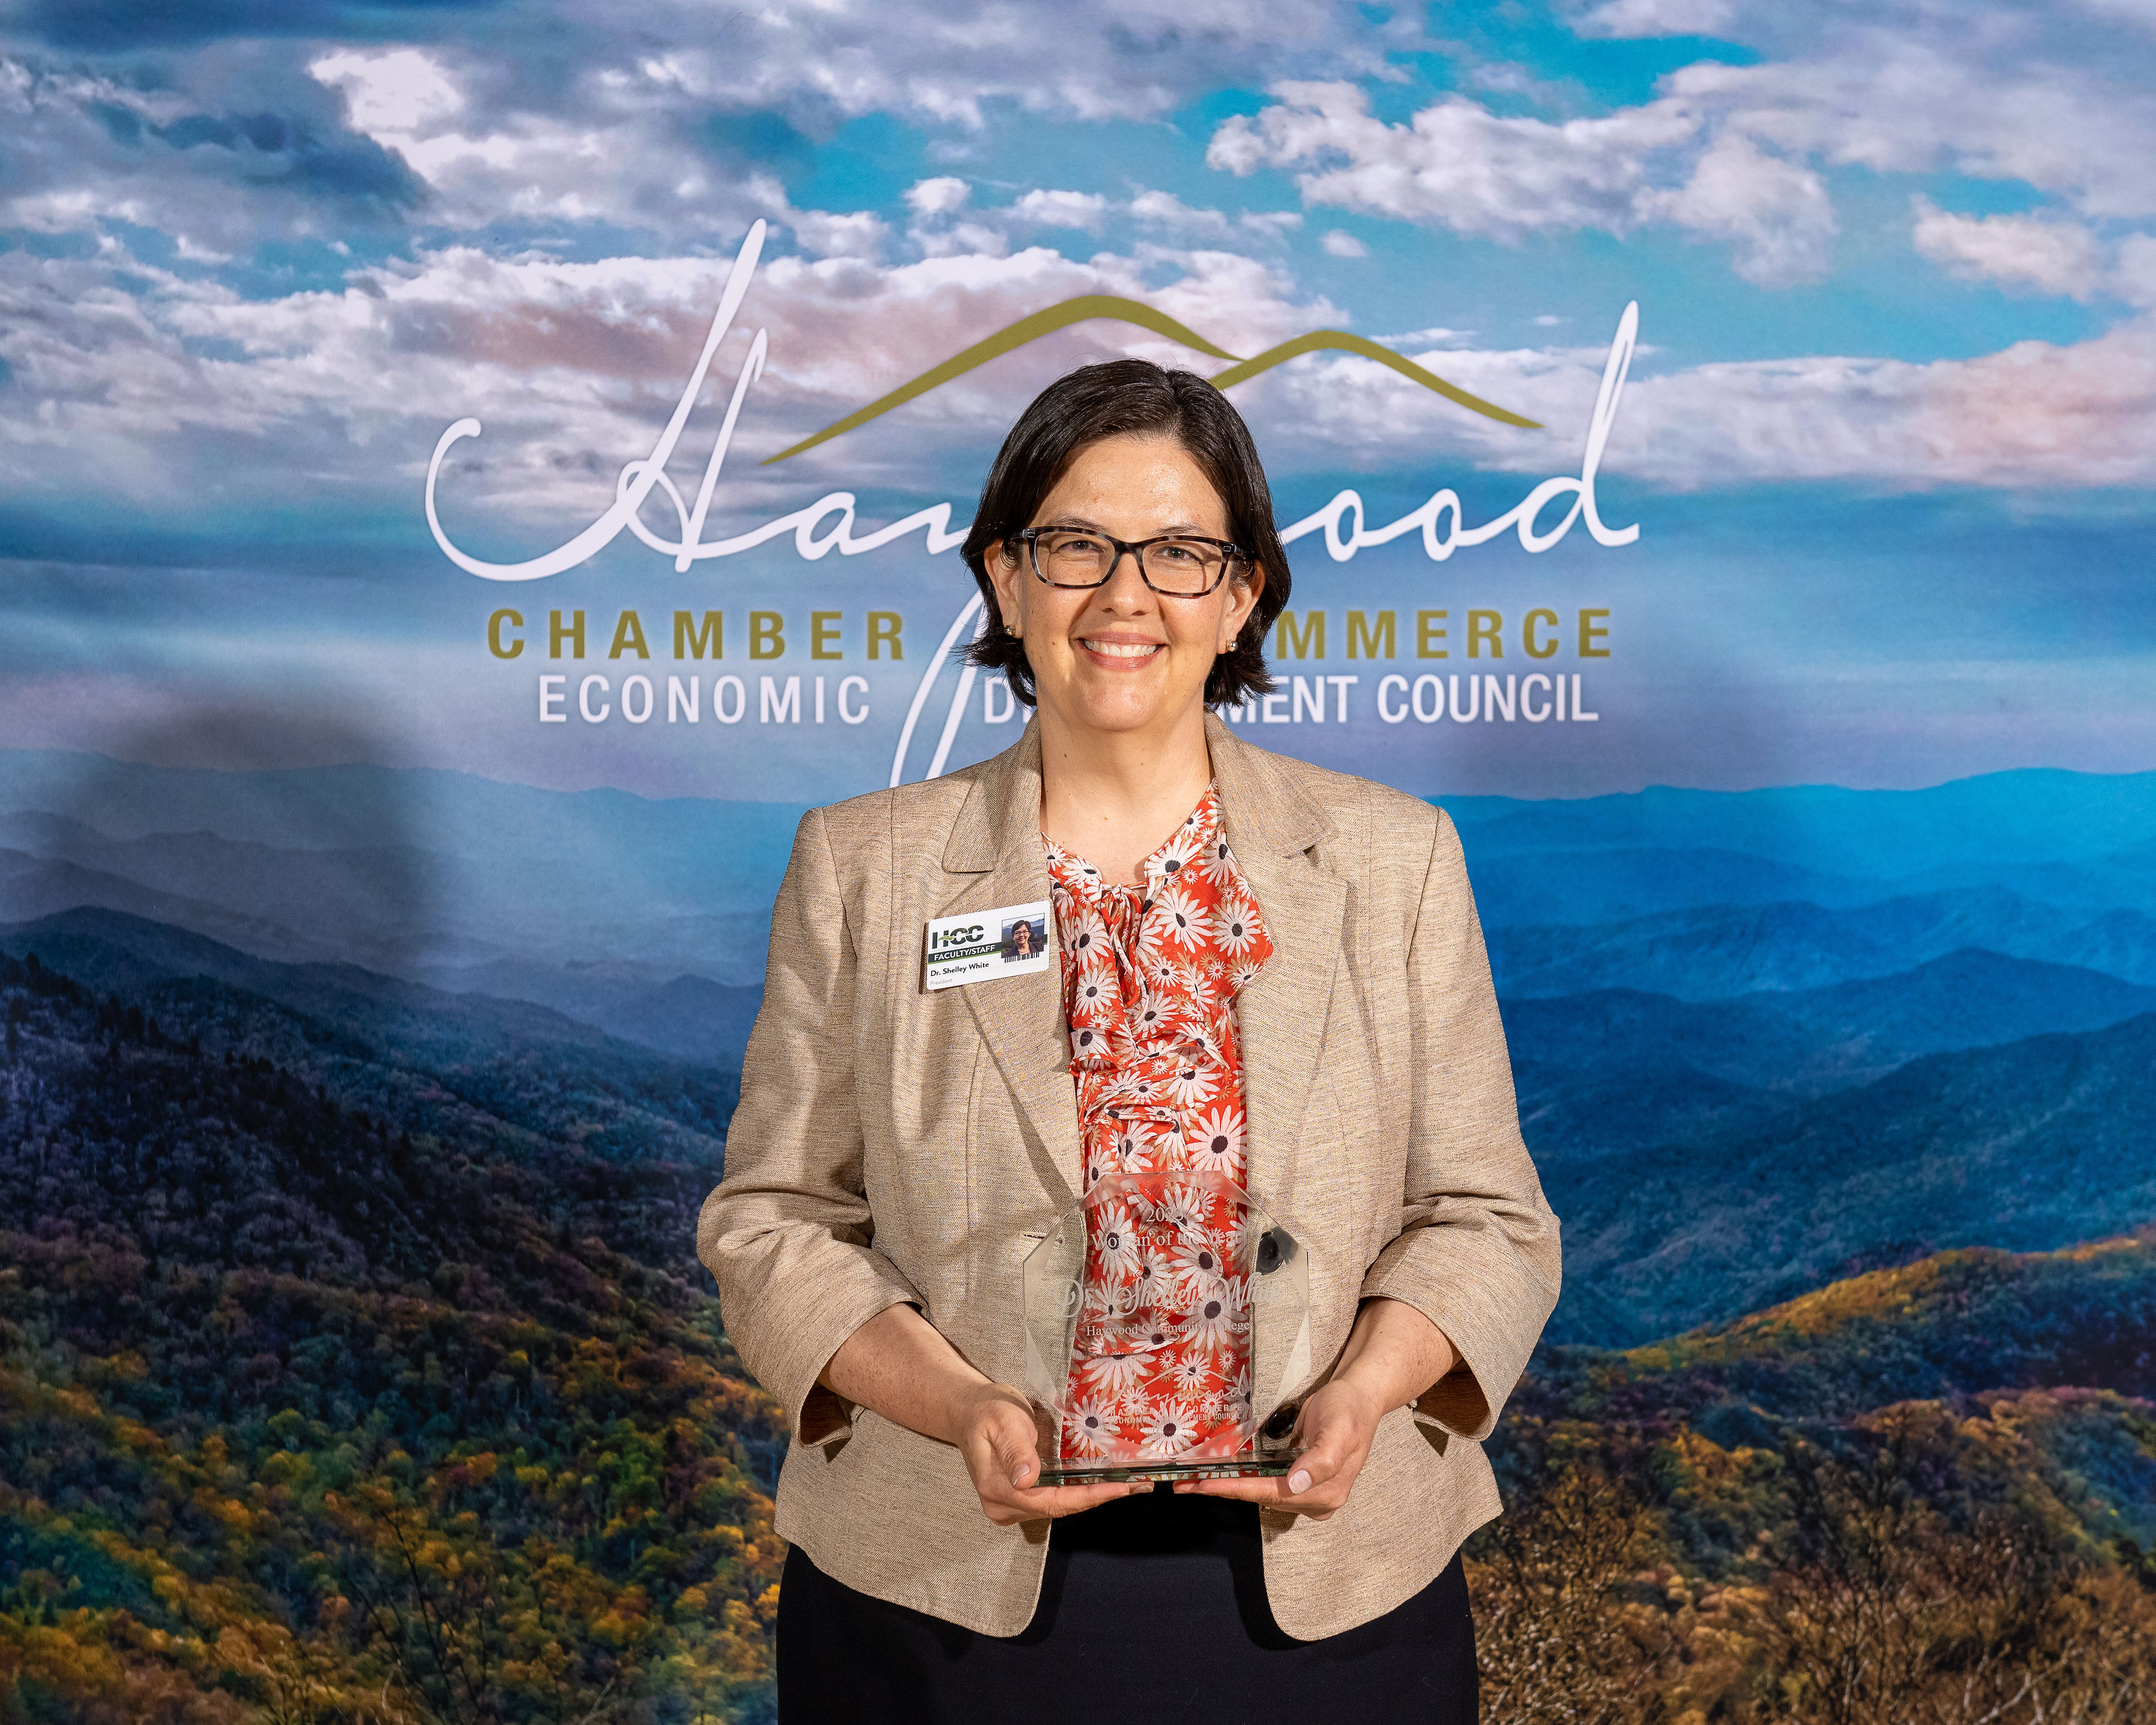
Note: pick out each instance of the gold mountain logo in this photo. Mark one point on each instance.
(1066, 312)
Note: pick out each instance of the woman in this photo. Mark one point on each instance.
(1267, 969)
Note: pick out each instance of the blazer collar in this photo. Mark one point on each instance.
(1000, 818)
(1262, 812)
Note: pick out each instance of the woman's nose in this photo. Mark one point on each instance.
(1125, 587)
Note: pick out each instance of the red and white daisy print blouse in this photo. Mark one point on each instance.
(1160, 1361)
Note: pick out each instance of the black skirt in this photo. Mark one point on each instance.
(1152, 1607)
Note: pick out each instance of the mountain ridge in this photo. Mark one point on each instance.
(1626, 1068)
(1715, 952)
(2030, 1144)
(525, 1062)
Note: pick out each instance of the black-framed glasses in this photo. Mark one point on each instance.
(1182, 565)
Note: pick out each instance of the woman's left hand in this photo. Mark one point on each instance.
(1337, 1425)
(1394, 1354)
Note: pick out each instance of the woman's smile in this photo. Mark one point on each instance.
(1116, 653)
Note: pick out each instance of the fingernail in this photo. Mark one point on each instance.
(1298, 1481)
(1017, 1477)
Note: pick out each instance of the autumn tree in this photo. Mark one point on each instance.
(1554, 1640)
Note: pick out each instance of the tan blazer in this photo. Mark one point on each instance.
(893, 1145)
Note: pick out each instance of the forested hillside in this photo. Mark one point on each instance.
(1924, 1496)
(341, 1386)
(334, 1393)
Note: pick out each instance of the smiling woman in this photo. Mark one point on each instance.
(1272, 979)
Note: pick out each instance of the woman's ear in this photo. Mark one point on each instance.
(1243, 596)
(1003, 565)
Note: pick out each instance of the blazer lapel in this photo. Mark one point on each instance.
(1281, 1015)
(995, 844)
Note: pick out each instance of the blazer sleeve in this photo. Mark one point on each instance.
(787, 1232)
(1478, 1250)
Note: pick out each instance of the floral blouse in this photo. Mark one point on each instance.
(1160, 1360)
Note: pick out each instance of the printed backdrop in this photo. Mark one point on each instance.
(476, 472)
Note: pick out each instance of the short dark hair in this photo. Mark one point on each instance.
(1132, 397)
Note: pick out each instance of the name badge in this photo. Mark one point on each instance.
(980, 946)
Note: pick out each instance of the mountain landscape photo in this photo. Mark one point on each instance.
(477, 471)
(356, 1343)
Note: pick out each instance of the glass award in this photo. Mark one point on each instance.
(1167, 1319)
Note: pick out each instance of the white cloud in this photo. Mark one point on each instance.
(2034, 417)
(1456, 163)
(1165, 210)
(612, 154)
(1735, 152)
(189, 252)
(1658, 17)
(570, 365)
(2133, 278)
(1775, 214)
(2043, 252)
(398, 91)
(2133, 12)
(945, 224)
(631, 130)
(949, 223)
(1993, 99)
(1085, 210)
(1115, 59)
(862, 235)
(1341, 245)
(938, 197)
(79, 151)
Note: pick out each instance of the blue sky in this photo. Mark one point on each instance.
(1887, 438)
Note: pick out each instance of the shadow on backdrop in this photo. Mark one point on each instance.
(305, 864)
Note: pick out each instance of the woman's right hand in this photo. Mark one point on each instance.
(993, 1426)
(901, 1366)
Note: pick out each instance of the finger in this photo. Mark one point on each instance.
(1330, 1442)
(1319, 1483)
(1053, 1500)
(1248, 1489)
(1013, 1450)
(1317, 1503)
(1334, 1450)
